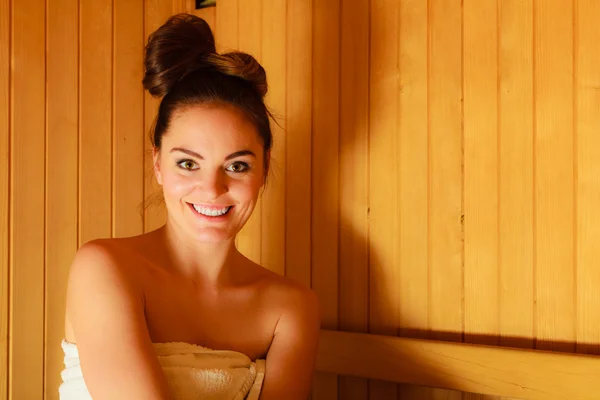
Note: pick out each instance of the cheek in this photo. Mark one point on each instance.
(175, 185)
(245, 190)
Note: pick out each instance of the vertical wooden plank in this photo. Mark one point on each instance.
(445, 175)
(128, 110)
(250, 30)
(27, 187)
(445, 202)
(190, 6)
(156, 13)
(515, 161)
(298, 138)
(95, 135)
(180, 6)
(553, 175)
(324, 174)
(61, 176)
(516, 173)
(354, 181)
(383, 167)
(480, 124)
(273, 200)
(412, 176)
(5, 96)
(480, 175)
(412, 179)
(227, 19)
(587, 122)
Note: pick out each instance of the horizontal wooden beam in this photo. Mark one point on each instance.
(500, 371)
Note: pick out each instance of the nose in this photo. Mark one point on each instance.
(212, 184)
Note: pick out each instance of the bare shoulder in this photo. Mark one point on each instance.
(94, 249)
(96, 266)
(104, 302)
(290, 299)
(98, 257)
(109, 255)
(96, 262)
(92, 258)
(110, 260)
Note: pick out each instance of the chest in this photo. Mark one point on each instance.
(237, 320)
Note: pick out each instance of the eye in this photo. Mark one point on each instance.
(188, 165)
(238, 167)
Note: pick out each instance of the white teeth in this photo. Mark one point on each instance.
(210, 212)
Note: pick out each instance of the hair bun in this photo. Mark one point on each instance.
(241, 65)
(177, 48)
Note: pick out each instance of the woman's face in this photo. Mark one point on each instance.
(211, 169)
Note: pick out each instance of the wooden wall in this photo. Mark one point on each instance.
(437, 167)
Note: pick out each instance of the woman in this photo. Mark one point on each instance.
(186, 282)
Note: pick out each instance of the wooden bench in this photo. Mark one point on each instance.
(500, 371)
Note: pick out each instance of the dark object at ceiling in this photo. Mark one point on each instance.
(205, 3)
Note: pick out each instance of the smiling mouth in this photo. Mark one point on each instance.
(211, 212)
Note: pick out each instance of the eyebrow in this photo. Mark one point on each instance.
(229, 157)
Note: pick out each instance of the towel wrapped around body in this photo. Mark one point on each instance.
(193, 372)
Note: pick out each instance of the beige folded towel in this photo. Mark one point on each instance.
(193, 372)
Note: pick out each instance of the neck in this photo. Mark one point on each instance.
(207, 264)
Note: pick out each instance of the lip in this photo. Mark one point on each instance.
(219, 218)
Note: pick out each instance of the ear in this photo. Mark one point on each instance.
(156, 164)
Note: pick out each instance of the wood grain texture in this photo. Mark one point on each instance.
(190, 6)
(370, 96)
(516, 212)
(487, 370)
(96, 116)
(412, 172)
(227, 30)
(480, 85)
(5, 129)
(445, 245)
(156, 13)
(27, 202)
(445, 158)
(181, 6)
(480, 175)
(384, 271)
(354, 181)
(62, 99)
(325, 173)
(587, 163)
(299, 72)
(250, 40)
(515, 180)
(554, 176)
(412, 179)
(274, 31)
(128, 121)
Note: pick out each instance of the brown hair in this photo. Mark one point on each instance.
(183, 67)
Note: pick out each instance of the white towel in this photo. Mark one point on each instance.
(193, 372)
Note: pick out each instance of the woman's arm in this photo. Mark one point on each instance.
(106, 310)
(291, 358)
